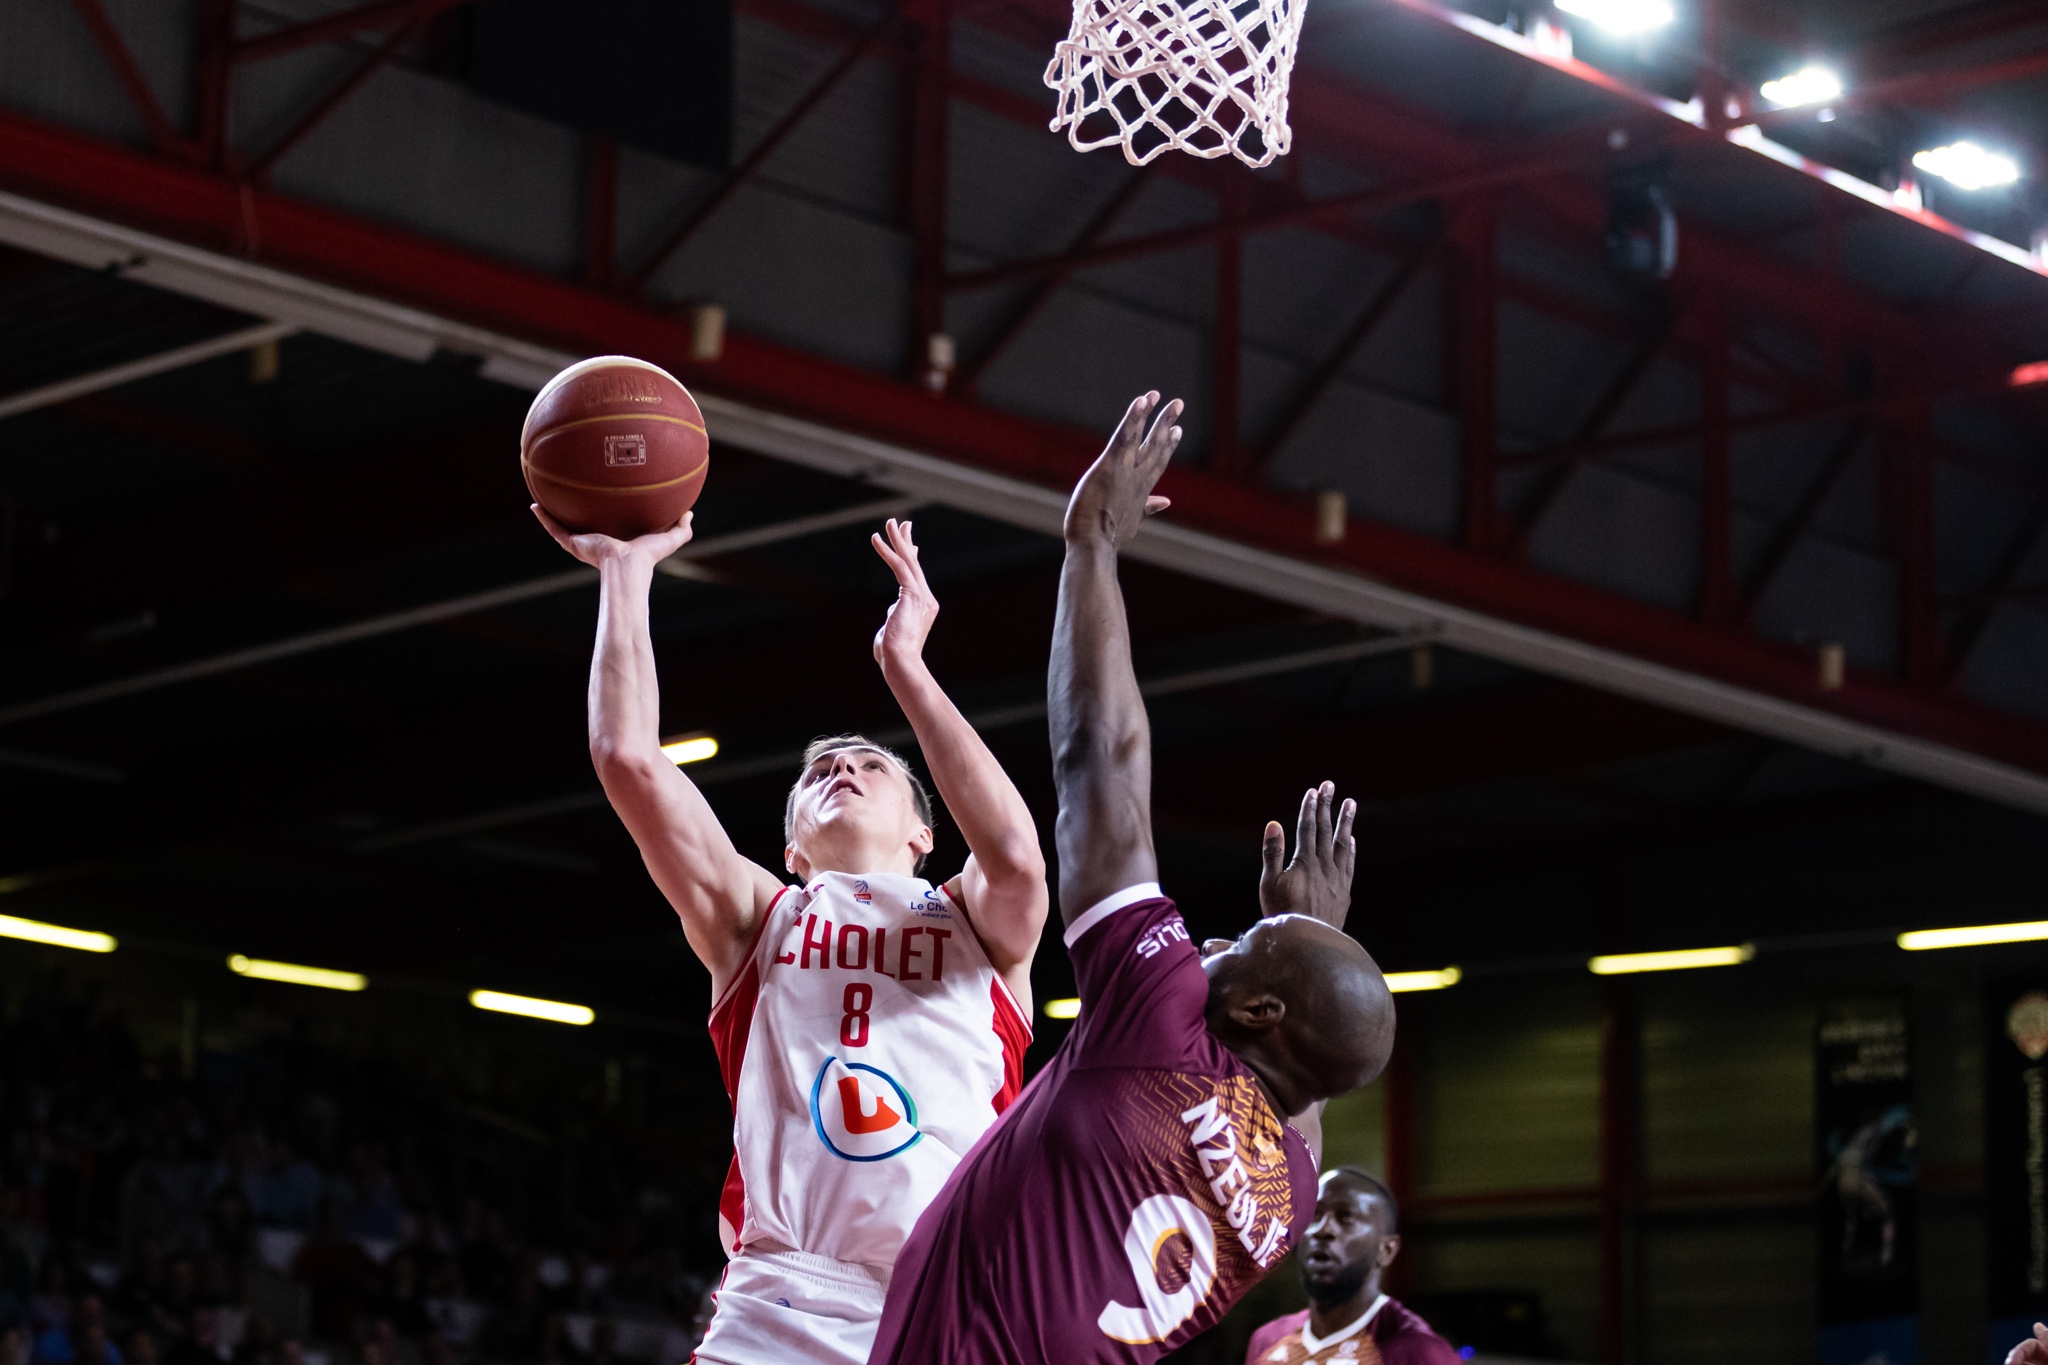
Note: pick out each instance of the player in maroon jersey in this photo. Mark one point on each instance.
(1166, 1158)
(1352, 1320)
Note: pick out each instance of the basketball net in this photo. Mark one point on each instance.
(1205, 77)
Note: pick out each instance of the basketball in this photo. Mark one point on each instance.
(614, 445)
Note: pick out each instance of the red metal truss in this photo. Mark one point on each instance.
(188, 203)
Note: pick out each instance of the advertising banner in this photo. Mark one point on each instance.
(2015, 1148)
(1865, 1150)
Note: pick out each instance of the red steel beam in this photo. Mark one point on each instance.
(335, 27)
(1472, 355)
(926, 133)
(115, 49)
(213, 79)
(185, 202)
(1333, 364)
(968, 377)
(1997, 590)
(1717, 586)
(417, 13)
(739, 175)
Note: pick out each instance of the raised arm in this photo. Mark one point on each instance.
(719, 895)
(1003, 884)
(1101, 743)
(1318, 881)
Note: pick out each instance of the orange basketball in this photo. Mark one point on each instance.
(615, 445)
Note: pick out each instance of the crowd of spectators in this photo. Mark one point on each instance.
(287, 1203)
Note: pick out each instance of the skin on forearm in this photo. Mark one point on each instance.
(625, 693)
(1005, 888)
(1101, 740)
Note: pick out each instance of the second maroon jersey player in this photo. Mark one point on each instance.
(1165, 1159)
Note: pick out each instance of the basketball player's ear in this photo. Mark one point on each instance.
(1259, 1012)
(1390, 1247)
(922, 840)
(789, 862)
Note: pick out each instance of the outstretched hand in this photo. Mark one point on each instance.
(2033, 1352)
(901, 639)
(1115, 495)
(1318, 881)
(594, 549)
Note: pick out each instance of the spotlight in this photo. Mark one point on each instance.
(1974, 936)
(1618, 964)
(690, 749)
(1622, 16)
(1069, 1008)
(1808, 85)
(555, 1011)
(1968, 166)
(1424, 981)
(296, 975)
(35, 931)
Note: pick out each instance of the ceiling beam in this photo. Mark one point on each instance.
(858, 424)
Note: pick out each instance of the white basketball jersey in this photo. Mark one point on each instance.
(866, 1045)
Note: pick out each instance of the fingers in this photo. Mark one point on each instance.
(1131, 430)
(1305, 824)
(1273, 850)
(1347, 846)
(1155, 504)
(890, 557)
(1326, 819)
(553, 527)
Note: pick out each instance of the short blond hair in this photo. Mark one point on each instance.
(920, 799)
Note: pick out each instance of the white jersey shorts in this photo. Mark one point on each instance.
(777, 1307)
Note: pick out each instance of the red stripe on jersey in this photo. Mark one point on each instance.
(1015, 1033)
(732, 1019)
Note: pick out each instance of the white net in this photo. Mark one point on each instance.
(1205, 77)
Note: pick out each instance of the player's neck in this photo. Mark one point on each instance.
(856, 857)
(1324, 1321)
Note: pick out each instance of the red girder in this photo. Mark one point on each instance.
(209, 210)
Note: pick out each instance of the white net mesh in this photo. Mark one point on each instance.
(1205, 77)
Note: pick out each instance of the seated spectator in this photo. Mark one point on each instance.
(1348, 1247)
(402, 1304)
(366, 1199)
(342, 1278)
(200, 1345)
(285, 1192)
(90, 1342)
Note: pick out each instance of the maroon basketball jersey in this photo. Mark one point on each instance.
(1135, 1190)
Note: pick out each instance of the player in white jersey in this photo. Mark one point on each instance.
(870, 1025)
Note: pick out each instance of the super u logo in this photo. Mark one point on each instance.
(861, 1112)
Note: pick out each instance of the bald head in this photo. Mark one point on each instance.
(1303, 1005)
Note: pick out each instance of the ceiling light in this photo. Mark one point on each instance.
(1617, 964)
(1068, 1008)
(1808, 85)
(1423, 981)
(296, 975)
(1973, 936)
(35, 931)
(690, 749)
(1622, 16)
(554, 1010)
(1968, 166)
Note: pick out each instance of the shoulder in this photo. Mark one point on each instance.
(1404, 1338)
(1272, 1334)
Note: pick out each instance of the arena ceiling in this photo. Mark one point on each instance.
(289, 669)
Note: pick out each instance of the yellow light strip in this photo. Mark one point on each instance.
(555, 1011)
(35, 931)
(690, 749)
(1069, 1008)
(1975, 935)
(1424, 981)
(1617, 964)
(294, 974)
